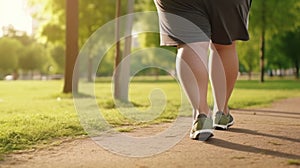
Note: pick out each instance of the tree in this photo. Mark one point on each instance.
(118, 57)
(106, 66)
(54, 33)
(249, 55)
(122, 71)
(51, 15)
(98, 12)
(30, 56)
(34, 58)
(10, 49)
(58, 55)
(71, 80)
(92, 15)
(266, 22)
(289, 47)
(277, 58)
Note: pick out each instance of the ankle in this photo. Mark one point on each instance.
(226, 111)
(204, 110)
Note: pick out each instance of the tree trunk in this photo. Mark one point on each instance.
(117, 84)
(90, 69)
(125, 66)
(262, 57)
(250, 75)
(90, 59)
(297, 70)
(71, 46)
(122, 71)
(262, 43)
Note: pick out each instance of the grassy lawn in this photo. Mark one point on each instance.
(36, 112)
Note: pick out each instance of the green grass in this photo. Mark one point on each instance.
(36, 112)
(256, 94)
(294, 162)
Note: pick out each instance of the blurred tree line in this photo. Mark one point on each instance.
(270, 23)
(274, 29)
(22, 53)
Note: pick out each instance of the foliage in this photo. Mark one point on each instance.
(51, 28)
(21, 52)
(9, 52)
(266, 22)
(277, 58)
(58, 55)
(34, 58)
(249, 55)
(92, 15)
(265, 15)
(106, 67)
(285, 50)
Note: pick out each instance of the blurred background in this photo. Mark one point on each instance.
(33, 43)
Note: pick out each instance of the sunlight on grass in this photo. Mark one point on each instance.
(30, 113)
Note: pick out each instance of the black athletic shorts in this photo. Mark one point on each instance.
(188, 21)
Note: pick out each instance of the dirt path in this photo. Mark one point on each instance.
(267, 137)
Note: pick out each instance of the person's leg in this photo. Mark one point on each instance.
(223, 73)
(191, 66)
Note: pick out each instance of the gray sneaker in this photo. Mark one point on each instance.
(202, 128)
(222, 121)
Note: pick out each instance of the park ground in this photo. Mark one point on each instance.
(264, 137)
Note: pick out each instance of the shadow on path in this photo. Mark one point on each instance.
(251, 149)
(269, 113)
(266, 111)
(251, 132)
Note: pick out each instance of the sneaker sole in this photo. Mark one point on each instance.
(202, 135)
(223, 127)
